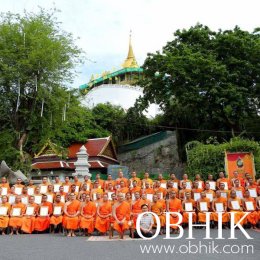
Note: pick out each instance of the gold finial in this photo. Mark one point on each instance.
(130, 61)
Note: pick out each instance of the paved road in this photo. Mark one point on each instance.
(58, 247)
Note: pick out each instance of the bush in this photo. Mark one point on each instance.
(209, 158)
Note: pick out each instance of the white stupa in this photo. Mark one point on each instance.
(82, 165)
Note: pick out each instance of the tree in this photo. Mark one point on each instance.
(206, 80)
(37, 60)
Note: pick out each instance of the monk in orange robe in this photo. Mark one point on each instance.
(66, 184)
(201, 184)
(104, 213)
(121, 214)
(121, 178)
(202, 212)
(135, 187)
(134, 178)
(196, 189)
(173, 204)
(84, 190)
(57, 217)
(183, 191)
(122, 189)
(159, 189)
(222, 179)
(99, 181)
(5, 186)
(225, 214)
(71, 215)
(188, 199)
(18, 185)
(42, 223)
(240, 180)
(15, 222)
(136, 208)
(185, 179)
(128, 198)
(175, 181)
(147, 189)
(87, 216)
(223, 192)
(157, 208)
(252, 218)
(239, 211)
(29, 220)
(147, 179)
(4, 219)
(109, 181)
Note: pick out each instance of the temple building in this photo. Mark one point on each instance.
(53, 160)
(128, 75)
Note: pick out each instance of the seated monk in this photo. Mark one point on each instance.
(104, 213)
(4, 218)
(188, 199)
(252, 218)
(159, 189)
(198, 179)
(5, 186)
(173, 204)
(71, 215)
(15, 222)
(157, 208)
(186, 180)
(87, 216)
(239, 210)
(147, 189)
(42, 222)
(57, 216)
(201, 211)
(121, 215)
(28, 218)
(183, 191)
(225, 214)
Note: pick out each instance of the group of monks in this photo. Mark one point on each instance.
(108, 205)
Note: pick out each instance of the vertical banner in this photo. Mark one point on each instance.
(242, 162)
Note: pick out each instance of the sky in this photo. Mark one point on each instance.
(103, 28)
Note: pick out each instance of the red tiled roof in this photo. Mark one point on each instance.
(94, 147)
(50, 165)
(93, 164)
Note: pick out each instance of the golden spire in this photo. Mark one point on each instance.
(130, 61)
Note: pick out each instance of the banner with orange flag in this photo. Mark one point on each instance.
(242, 162)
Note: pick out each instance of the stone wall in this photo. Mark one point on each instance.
(159, 157)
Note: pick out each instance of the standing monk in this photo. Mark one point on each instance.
(15, 222)
(121, 214)
(42, 223)
(71, 215)
(4, 219)
(104, 213)
(57, 218)
(173, 204)
(29, 220)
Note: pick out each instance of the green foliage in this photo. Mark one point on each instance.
(209, 158)
(204, 79)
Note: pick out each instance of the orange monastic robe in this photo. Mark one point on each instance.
(16, 222)
(122, 212)
(185, 213)
(28, 225)
(56, 220)
(72, 222)
(43, 223)
(158, 209)
(253, 216)
(89, 208)
(239, 214)
(202, 215)
(5, 219)
(102, 224)
(136, 208)
(225, 215)
(174, 206)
